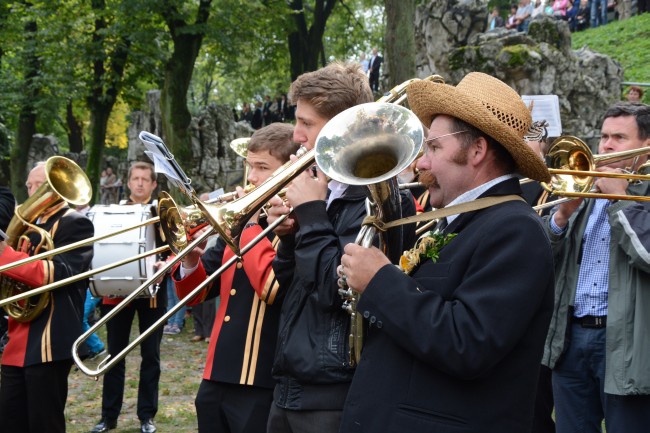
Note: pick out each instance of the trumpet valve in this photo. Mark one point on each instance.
(348, 307)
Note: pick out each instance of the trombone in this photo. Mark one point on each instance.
(77, 244)
(572, 166)
(228, 220)
(108, 362)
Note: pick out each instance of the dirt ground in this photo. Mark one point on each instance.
(182, 365)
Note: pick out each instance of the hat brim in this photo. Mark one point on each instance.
(428, 99)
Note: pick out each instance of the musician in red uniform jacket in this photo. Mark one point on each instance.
(237, 388)
(38, 356)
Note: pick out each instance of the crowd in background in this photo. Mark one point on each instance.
(261, 114)
(580, 14)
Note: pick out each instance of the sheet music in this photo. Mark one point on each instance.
(546, 107)
(165, 163)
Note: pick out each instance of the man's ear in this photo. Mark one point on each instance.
(479, 149)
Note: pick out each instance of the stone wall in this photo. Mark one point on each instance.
(452, 43)
(214, 165)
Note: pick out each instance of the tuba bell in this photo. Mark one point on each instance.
(65, 182)
(370, 144)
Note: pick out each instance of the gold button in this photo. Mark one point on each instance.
(239, 265)
(232, 292)
(226, 319)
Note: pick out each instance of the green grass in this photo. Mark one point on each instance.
(627, 42)
(182, 368)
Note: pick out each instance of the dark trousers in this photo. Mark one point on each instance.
(32, 399)
(118, 331)
(543, 415)
(203, 315)
(374, 81)
(227, 407)
(303, 421)
(578, 388)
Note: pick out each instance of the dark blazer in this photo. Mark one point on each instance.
(456, 346)
(375, 65)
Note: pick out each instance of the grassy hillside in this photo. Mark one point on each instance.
(628, 42)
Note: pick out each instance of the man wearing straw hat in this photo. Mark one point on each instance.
(456, 335)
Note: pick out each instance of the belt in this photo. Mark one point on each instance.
(591, 321)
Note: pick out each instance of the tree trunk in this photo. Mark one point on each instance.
(306, 45)
(176, 116)
(27, 116)
(400, 40)
(98, 125)
(108, 72)
(74, 129)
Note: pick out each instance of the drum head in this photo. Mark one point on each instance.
(123, 280)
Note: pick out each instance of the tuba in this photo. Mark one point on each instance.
(65, 182)
(370, 144)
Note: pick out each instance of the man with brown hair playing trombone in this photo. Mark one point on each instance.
(236, 392)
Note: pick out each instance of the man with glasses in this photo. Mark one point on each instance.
(456, 335)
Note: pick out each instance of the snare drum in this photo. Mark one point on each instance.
(123, 280)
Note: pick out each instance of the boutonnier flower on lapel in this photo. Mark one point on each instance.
(428, 246)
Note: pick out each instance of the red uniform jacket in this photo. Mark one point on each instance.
(242, 344)
(49, 336)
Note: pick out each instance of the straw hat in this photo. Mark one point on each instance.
(487, 104)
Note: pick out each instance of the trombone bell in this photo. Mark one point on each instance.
(572, 167)
(178, 224)
(570, 153)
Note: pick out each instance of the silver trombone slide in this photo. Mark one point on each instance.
(104, 365)
(108, 362)
(72, 279)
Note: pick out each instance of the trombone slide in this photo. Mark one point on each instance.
(108, 362)
(74, 278)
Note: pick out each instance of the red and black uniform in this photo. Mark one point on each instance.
(38, 356)
(237, 388)
(118, 330)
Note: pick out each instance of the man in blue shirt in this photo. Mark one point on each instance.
(598, 340)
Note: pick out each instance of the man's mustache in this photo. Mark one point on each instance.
(427, 179)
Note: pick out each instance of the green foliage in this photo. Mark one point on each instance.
(245, 55)
(628, 42)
